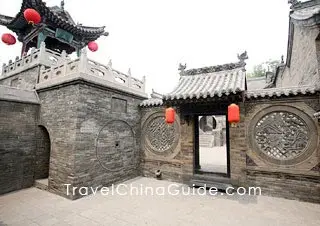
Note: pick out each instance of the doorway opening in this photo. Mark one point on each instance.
(42, 157)
(211, 145)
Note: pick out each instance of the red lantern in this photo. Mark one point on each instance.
(8, 39)
(32, 16)
(233, 114)
(170, 115)
(93, 46)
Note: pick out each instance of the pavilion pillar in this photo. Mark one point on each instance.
(78, 52)
(41, 38)
(23, 49)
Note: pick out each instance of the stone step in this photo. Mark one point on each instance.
(212, 177)
(209, 184)
(41, 184)
(209, 180)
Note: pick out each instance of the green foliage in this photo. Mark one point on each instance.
(260, 70)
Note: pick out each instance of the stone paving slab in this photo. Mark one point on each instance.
(36, 207)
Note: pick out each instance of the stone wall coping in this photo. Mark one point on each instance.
(18, 95)
(282, 92)
(90, 79)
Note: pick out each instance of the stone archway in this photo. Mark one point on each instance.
(42, 157)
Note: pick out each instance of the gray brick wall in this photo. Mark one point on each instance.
(58, 114)
(101, 124)
(79, 118)
(299, 180)
(17, 145)
(304, 66)
(171, 163)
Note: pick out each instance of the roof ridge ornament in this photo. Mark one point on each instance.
(110, 63)
(62, 5)
(182, 68)
(243, 56)
(293, 3)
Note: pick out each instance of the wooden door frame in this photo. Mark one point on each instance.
(196, 162)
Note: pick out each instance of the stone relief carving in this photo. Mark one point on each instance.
(282, 135)
(115, 146)
(159, 137)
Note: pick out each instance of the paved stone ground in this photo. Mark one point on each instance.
(213, 159)
(36, 207)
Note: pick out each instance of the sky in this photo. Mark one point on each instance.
(153, 36)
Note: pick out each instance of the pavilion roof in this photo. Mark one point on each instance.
(55, 17)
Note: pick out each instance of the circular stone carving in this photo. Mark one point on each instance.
(115, 146)
(159, 137)
(283, 136)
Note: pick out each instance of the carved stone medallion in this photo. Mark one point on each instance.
(283, 136)
(159, 137)
(115, 146)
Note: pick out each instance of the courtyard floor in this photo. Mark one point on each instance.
(36, 207)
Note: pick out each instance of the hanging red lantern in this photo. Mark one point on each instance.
(93, 46)
(233, 114)
(32, 16)
(8, 39)
(170, 115)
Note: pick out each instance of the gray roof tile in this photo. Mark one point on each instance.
(210, 84)
(278, 92)
(152, 102)
(155, 100)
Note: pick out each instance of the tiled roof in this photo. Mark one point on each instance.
(280, 92)
(152, 102)
(54, 16)
(209, 82)
(155, 100)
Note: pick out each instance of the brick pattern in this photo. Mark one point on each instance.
(171, 163)
(58, 114)
(74, 116)
(94, 113)
(17, 145)
(238, 147)
(294, 181)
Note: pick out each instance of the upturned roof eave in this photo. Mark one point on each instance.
(14, 23)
